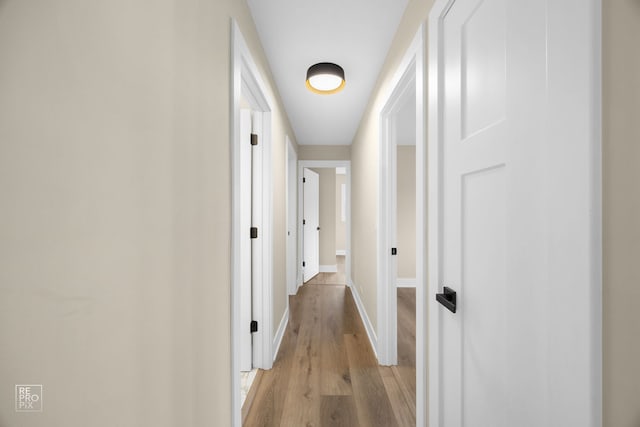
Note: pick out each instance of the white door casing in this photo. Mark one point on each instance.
(311, 225)
(514, 207)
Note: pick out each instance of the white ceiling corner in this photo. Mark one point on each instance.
(356, 34)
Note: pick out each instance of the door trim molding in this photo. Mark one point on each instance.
(568, 118)
(411, 70)
(406, 282)
(247, 82)
(302, 164)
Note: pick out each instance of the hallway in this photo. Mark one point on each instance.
(326, 373)
(124, 227)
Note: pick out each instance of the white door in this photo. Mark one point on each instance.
(292, 218)
(245, 241)
(311, 224)
(509, 355)
(251, 269)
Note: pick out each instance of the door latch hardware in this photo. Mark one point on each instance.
(448, 299)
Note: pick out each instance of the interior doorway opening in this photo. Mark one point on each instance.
(330, 253)
(324, 225)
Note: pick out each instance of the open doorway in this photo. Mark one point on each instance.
(405, 206)
(324, 225)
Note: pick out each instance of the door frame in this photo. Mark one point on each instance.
(411, 70)
(247, 83)
(302, 164)
(573, 113)
(292, 218)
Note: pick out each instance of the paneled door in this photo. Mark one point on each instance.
(498, 320)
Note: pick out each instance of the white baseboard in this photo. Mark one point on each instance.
(329, 268)
(405, 282)
(299, 282)
(341, 252)
(373, 339)
(277, 340)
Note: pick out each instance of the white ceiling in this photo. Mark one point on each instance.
(356, 34)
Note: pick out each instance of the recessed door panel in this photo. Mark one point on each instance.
(483, 284)
(483, 66)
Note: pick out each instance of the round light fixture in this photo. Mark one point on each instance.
(325, 78)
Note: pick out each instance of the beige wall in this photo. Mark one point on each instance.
(406, 211)
(621, 176)
(364, 162)
(341, 227)
(115, 209)
(327, 178)
(324, 152)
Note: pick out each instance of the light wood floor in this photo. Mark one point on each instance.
(326, 373)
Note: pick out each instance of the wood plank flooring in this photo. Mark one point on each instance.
(326, 373)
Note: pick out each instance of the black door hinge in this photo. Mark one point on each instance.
(304, 222)
(254, 139)
(303, 264)
(254, 326)
(394, 251)
(304, 180)
(254, 232)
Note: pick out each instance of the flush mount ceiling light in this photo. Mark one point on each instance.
(325, 78)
